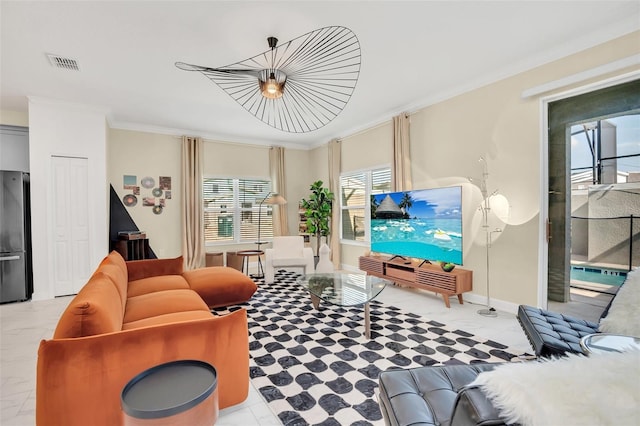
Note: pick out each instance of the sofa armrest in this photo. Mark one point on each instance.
(139, 269)
(473, 408)
(79, 381)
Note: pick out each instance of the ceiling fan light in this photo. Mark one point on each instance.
(272, 87)
(323, 66)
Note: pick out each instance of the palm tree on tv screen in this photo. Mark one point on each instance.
(405, 204)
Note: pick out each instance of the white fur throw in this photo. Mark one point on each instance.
(624, 312)
(602, 389)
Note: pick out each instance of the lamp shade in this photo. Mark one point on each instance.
(275, 199)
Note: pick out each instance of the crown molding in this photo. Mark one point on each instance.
(68, 104)
(137, 127)
(580, 77)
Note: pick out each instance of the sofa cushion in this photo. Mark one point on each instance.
(167, 319)
(115, 258)
(220, 285)
(162, 302)
(117, 277)
(158, 283)
(147, 268)
(96, 309)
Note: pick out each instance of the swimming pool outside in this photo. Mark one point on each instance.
(598, 275)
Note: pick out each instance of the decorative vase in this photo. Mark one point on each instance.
(447, 267)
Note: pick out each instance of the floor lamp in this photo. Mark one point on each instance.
(485, 208)
(271, 199)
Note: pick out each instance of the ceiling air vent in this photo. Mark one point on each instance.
(65, 63)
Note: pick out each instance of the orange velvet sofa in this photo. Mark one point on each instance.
(131, 316)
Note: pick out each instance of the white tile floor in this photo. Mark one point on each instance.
(23, 325)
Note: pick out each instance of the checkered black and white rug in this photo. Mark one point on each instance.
(317, 367)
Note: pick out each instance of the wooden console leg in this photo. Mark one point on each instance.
(460, 299)
(315, 300)
(446, 300)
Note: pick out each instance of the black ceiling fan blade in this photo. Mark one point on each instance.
(190, 67)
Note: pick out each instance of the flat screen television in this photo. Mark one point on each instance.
(424, 224)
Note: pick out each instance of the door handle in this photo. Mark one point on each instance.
(9, 258)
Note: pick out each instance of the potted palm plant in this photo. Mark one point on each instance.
(318, 212)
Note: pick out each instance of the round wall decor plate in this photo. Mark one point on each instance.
(157, 192)
(130, 200)
(157, 209)
(148, 182)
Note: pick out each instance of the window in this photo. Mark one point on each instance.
(605, 151)
(232, 210)
(355, 200)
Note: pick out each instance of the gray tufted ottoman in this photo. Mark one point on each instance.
(551, 333)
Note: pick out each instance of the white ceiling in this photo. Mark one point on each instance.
(413, 53)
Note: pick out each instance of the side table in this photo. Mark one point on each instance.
(214, 259)
(246, 254)
(175, 393)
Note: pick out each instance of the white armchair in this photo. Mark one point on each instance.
(287, 251)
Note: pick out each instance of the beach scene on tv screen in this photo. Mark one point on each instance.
(424, 224)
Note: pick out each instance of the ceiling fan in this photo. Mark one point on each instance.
(298, 86)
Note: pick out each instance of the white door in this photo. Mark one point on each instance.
(70, 224)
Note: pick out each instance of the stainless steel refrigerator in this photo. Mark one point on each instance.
(15, 237)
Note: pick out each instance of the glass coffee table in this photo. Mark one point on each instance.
(606, 342)
(344, 289)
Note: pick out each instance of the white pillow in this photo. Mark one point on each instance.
(602, 389)
(624, 312)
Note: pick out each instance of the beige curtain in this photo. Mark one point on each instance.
(278, 185)
(193, 216)
(401, 173)
(334, 186)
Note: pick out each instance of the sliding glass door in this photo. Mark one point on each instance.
(623, 99)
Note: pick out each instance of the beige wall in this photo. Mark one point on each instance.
(369, 148)
(147, 154)
(299, 179)
(318, 166)
(14, 118)
(495, 122)
(447, 141)
(228, 159)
